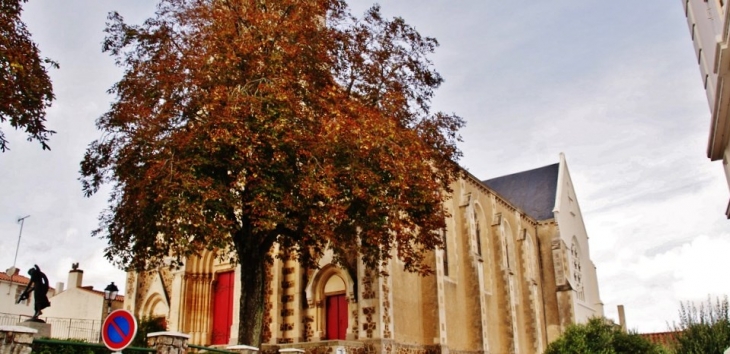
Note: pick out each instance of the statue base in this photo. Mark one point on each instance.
(43, 328)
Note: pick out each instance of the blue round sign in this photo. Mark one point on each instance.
(118, 330)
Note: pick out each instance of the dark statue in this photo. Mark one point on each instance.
(39, 286)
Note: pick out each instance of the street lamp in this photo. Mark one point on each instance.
(110, 293)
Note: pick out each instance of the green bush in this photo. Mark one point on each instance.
(601, 336)
(70, 347)
(148, 325)
(144, 326)
(703, 330)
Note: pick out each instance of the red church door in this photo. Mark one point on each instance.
(222, 308)
(336, 317)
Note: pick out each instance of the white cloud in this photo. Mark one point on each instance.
(655, 285)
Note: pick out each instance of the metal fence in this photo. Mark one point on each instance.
(70, 328)
(7, 319)
(62, 328)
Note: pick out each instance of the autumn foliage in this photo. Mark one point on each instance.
(25, 88)
(242, 124)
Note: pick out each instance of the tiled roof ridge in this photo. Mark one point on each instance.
(15, 278)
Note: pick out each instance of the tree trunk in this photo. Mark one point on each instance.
(253, 261)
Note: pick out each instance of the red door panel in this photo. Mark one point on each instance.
(336, 307)
(222, 308)
(342, 317)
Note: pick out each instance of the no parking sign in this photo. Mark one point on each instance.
(118, 330)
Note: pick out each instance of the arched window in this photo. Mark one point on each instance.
(530, 258)
(478, 232)
(508, 257)
(446, 251)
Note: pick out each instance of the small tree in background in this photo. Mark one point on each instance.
(705, 329)
(601, 335)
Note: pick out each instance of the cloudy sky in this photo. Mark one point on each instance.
(612, 84)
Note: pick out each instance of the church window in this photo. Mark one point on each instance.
(478, 233)
(529, 258)
(508, 257)
(446, 251)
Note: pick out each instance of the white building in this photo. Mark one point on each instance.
(78, 311)
(12, 285)
(708, 25)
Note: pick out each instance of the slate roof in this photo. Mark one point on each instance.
(532, 191)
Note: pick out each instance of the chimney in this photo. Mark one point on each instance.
(12, 271)
(622, 317)
(59, 287)
(75, 277)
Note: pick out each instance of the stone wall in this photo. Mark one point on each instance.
(16, 339)
(384, 346)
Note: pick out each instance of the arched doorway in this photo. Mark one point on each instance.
(336, 308)
(329, 296)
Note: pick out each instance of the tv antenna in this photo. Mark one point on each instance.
(21, 221)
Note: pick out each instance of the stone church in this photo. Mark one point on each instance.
(515, 270)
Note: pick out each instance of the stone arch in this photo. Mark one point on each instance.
(315, 289)
(201, 264)
(328, 280)
(155, 306)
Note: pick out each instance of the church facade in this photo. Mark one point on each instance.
(514, 272)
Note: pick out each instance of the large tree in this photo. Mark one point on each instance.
(25, 88)
(242, 124)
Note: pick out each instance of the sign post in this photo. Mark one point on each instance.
(118, 330)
